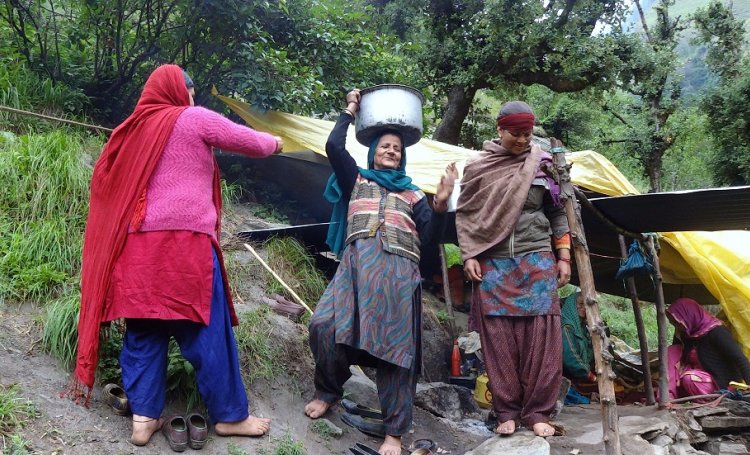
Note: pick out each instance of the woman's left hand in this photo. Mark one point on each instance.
(445, 187)
(563, 273)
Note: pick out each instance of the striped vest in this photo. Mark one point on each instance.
(373, 208)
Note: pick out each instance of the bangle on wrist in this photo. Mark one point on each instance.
(348, 111)
(564, 260)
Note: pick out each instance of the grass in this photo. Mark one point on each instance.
(15, 411)
(286, 445)
(322, 429)
(617, 312)
(259, 355)
(60, 337)
(292, 262)
(43, 210)
(21, 88)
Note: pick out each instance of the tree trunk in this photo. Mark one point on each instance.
(456, 110)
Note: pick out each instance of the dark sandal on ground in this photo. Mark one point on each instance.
(367, 426)
(362, 449)
(115, 397)
(175, 429)
(357, 409)
(197, 430)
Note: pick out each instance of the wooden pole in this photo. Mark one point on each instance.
(447, 293)
(55, 119)
(278, 278)
(642, 341)
(603, 359)
(661, 325)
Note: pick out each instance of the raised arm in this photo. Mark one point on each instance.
(218, 131)
(341, 161)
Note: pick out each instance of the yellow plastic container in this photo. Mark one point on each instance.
(482, 394)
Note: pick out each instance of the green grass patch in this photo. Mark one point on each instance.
(294, 264)
(322, 429)
(260, 355)
(60, 337)
(15, 411)
(286, 445)
(617, 312)
(43, 211)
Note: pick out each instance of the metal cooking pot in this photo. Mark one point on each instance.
(389, 106)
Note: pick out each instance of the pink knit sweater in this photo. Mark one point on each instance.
(179, 195)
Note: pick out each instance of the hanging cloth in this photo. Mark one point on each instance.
(636, 263)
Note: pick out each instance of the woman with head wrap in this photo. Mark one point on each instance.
(707, 358)
(151, 255)
(515, 244)
(370, 314)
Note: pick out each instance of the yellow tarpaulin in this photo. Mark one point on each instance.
(720, 261)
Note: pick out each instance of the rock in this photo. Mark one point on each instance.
(738, 408)
(646, 427)
(662, 441)
(724, 423)
(333, 430)
(706, 411)
(447, 400)
(698, 437)
(522, 443)
(361, 389)
(732, 447)
(635, 445)
(683, 448)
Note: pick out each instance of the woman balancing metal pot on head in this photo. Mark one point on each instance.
(370, 314)
(515, 243)
(151, 256)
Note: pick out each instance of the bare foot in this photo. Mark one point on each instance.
(252, 426)
(391, 446)
(543, 429)
(506, 428)
(143, 428)
(316, 408)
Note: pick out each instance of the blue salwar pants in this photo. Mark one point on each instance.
(211, 350)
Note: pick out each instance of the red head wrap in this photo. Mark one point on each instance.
(519, 121)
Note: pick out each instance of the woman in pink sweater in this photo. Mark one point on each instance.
(152, 257)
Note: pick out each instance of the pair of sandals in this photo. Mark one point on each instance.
(183, 432)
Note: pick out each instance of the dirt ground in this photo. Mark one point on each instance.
(66, 428)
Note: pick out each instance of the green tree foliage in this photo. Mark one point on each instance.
(300, 56)
(476, 44)
(651, 75)
(727, 105)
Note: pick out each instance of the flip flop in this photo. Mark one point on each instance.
(366, 450)
(357, 409)
(367, 426)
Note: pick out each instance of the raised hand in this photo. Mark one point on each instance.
(445, 188)
(352, 101)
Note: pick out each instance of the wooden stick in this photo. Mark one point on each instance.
(278, 278)
(56, 119)
(661, 324)
(600, 340)
(447, 293)
(642, 341)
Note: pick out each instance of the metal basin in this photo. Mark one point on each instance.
(389, 106)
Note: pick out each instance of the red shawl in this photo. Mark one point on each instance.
(120, 177)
